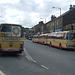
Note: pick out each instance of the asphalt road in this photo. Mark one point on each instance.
(12, 64)
(38, 59)
(56, 61)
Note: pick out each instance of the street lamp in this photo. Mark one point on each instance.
(44, 19)
(58, 8)
(60, 15)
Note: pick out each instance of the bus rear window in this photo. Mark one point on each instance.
(6, 28)
(11, 30)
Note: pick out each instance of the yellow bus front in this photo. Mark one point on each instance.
(70, 39)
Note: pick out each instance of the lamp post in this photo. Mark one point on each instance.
(58, 8)
(60, 14)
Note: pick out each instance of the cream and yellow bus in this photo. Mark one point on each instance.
(43, 38)
(11, 38)
(35, 38)
(39, 38)
(65, 39)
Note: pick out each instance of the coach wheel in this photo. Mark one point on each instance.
(60, 46)
(43, 42)
(50, 43)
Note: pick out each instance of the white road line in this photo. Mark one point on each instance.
(34, 61)
(31, 59)
(45, 67)
(28, 56)
(1, 73)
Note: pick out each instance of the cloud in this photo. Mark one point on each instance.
(14, 15)
(9, 1)
(29, 12)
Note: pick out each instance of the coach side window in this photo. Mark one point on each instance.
(65, 36)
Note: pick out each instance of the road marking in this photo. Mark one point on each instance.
(1, 73)
(28, 56)
(45, 67)
(34, 61)
(31, 59)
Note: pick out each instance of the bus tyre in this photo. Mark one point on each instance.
(60, 46)
(43, 42)
(50, 44)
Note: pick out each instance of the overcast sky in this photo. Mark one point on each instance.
(29, 12)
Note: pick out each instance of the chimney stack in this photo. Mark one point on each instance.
(53, 17)
(70, 7)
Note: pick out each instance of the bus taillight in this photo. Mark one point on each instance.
(21, 45)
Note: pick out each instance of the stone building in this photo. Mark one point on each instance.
(64, 22)
(39, 28)
(69, 19)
